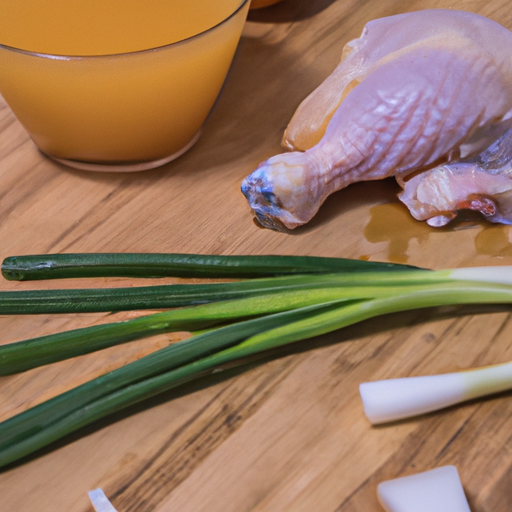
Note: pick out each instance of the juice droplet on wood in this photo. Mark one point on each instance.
(495, 240)
(391, 222)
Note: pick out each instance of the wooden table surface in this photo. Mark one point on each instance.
(288, 434)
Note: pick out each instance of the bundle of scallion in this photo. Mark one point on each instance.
(275, 301)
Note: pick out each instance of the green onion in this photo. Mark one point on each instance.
(243, 320)
(179, 295)
(53, 266)
(27, 354)
(44, 423)
(198, 356)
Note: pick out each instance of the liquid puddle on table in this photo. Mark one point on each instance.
(494, 240)
(392, 223)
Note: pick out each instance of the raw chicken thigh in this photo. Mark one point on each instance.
(413, 90)
(482, 183)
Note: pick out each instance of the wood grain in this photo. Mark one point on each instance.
(287, 434)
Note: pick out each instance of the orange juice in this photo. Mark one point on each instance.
(257, 4)
(100, 81)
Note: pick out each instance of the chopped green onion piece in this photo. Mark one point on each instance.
(100, 502)
(395, 399)
(438, 490)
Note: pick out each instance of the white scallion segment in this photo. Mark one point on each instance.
(437, 490)
(100, 501)
(498, 274)
(395, 399)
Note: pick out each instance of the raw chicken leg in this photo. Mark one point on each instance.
(482, 183)
(414, 89)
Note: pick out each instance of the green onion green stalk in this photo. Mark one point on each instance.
(179, 295)
(53, 266)
(234, 322)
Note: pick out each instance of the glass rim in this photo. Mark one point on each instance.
(55, 56)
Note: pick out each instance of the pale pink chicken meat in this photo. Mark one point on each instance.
(482, 183)
(414, 89)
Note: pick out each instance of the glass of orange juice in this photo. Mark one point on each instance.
(116, 85)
